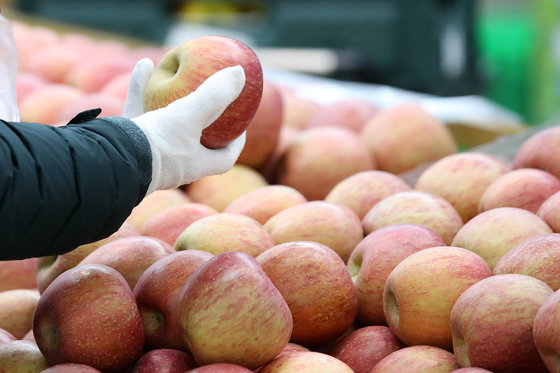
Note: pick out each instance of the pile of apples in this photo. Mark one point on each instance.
(312, 254)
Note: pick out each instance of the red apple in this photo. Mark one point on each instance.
(297, 109)
(44, 104)
(165, 360)
(470, 370)
(21, 357)
(27, 82)
(154, 203)
(70, 368)
(221, 368)
(18, 274)
(88, 315)
(541, 151)
(546, 329)
(550, 211)
(417, 359)
(182, 69)
(306, 361)
(492, 322)
(16, 310)
(349, 113)
(108, 105)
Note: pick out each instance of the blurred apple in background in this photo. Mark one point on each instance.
(317, 287)
(31, 38)
(26, 83)
(53, 63)
(185, 67)
(492, 323)
(415, 207)
(417, 359)
(461, 179)
(306, 361)
(348, 113)
(21, 357)
(333, 225)
(550, 211)
(271, 168)
(541, 150)
(18, 274)
(375, 257)
(70, 368)
(165, 360)
(493, 233)
(546, 332)
(117, 87)
(221, 368)
(16, 310)
(45, 103)
(297, 109)
(88, 315)
(108, 105)
(154, 203)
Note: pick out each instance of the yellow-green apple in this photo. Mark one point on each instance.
(537, 256)
(319, 158)
(154, 203)
(415, 207)
(405, 136)
(130, 256)
(317, 287)
(422, 289)
(6, 336)
(18, 274)
(492, 323)
(493, 233)
(546, 329)
(417, 359)
(229, 311)
(461, 179)
(157, 292)
(349, 113)
(306, 361)
(16, 310)
(375, 257)
(49, 267)
(263, 131)
(167, 360)
(541, 151)
(364, 347)
(168, 224)
(264, 202)
(21, 357)
(218, 191)
(525, 188)
(297, 110)
(550, 212)
(224, 232)
(27, 82)
(362, 190)
(88, 315)
(70, 368)
(221, 368)
(330, 224)
(44, 104)
(183, 68)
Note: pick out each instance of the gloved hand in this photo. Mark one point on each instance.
(8, 70)
(174, 131)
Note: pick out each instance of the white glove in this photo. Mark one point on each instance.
(174, 131)
(8, 71)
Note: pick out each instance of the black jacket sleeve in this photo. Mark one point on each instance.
(61, 187)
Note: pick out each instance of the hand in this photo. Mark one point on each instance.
(174, 131)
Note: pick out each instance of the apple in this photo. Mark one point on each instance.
(349, 113)
(117, 87)
(375, 257)
(221, 368)
(16, 310)
(21, 357)
(182, 69)
(362, 190)
(218, 191)
(70, 368)
(27, 82)
(364, 347)
(18, 274)
(540, 151)
(155, 202)
(550, 211)
(417, 359)
(298, 110)
(108, 105)
(526, 188)
(168, 224)
(470, 370)
(88, 315)
(306, 361)
(229, 311)
(545, 332)
(263, 132)
(319, 158)
(6, 336)
(461, 179)
(53, 63)
(493, 233)
(29, 337)
(422, 289)
(130, 256)
(491, 324)
(165, 360)
(415, 207)
(405, 136)
(157, 292)
(264, 202)
(31, 38)
(317, 287)
(333, 225)
(44, 104)
(271, 169)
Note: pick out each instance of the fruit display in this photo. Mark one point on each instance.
(312, 254)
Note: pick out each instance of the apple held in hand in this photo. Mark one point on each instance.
(188, 65)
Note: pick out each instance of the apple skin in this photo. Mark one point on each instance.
(470, 370)
(422, 289)
(70, 368)
(493, 233)
(298, 110)
(21, 357)
(18, 274)
(550, 211)
(157, 292)
(16, 310)
(491, 324)
(185, 67)
(221, 368)
(6, 336)
(375, 257)
(349, 113)
(546, 331)
(525, 188)
(229, 311)
(44, 104)
(165, 360)
(154, 203)
(417, 359)
(415, 207)
(317, 287)
(541, 151)
(88, 315)
(306, 361)
(364, 347)
(537, 256)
